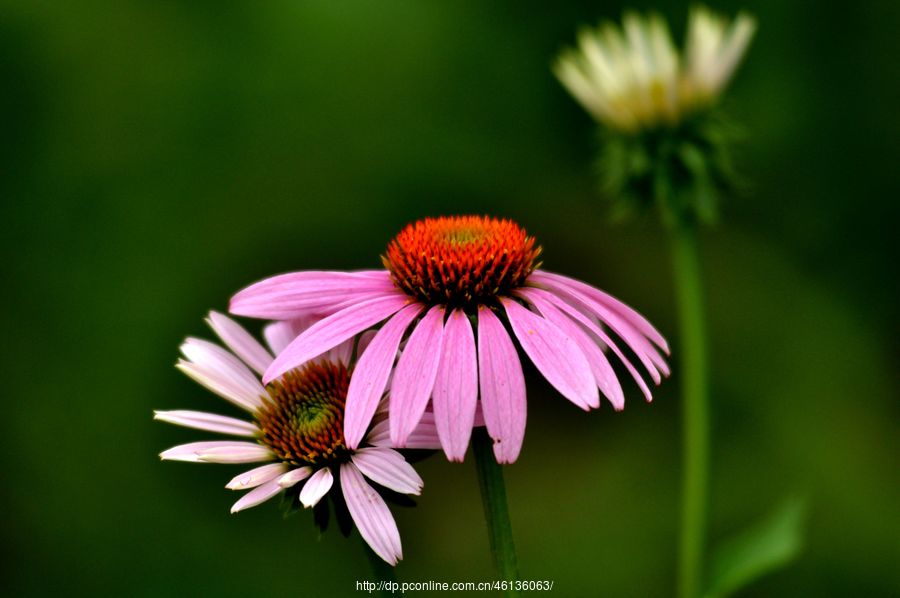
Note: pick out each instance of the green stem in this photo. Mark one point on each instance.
(382, 571)
(496, 511)
(695, 415)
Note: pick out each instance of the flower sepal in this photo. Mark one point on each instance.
(683, 171)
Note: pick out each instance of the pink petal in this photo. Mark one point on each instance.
(218, 451)
(295, 476)
(425, 435)
(388, 468)
(414, 375)
(209, 422)
(240, 342)
(456, 386)
(316, 487)
(647, 353)
(604, 375)
(554, 354)
(502, 387)
(289, 296)
(630, 326)
(333, 330)
(341, 353)
(280, 334)
(258, 495)
(596, 330)
(371, 374)
(370, 513)
(380, 434)
(636, 319)
(257, 476)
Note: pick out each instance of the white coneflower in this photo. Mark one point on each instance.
(633, 78)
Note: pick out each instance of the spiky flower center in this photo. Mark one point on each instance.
(461, 261)
(302, 416)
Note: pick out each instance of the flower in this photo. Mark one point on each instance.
(297, 430)
(634, 78)
(445, 279)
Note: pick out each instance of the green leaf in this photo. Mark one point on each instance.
(768, 545)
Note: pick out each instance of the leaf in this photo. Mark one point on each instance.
(768, 545)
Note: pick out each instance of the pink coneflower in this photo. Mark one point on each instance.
(445, 279)
(296, 430)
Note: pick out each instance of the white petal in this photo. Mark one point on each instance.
(209, 422)
(294, 476)
(370, 513)
(221, 372)
(256, 496)
(255, 477)
(218, 384)
(388, 468)
(316, 487)
(240, 341)
(218, 451)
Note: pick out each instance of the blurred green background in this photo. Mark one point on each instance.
(158, 156)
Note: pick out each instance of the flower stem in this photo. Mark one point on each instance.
(382, 571)
(695, 416)
(496, 510)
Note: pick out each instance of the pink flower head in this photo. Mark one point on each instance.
(296, 430)
(457, 291)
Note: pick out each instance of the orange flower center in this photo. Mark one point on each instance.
(461, 261)
(302, 416)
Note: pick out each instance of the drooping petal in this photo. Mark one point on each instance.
(218, 451)
(209, 422)
(414, 375)
(221, 372)
(598, 332)
(240, 341)
(316, 487)
(258, 495)
(370, 513)
(297, 294)
(604, 375)
(650, 358)
(456, 386)
(554, 354)
(371, 374)
(627, 312)
(295, 476)
(502, 387)
(257, 476)
(388, 468)
(333, 330)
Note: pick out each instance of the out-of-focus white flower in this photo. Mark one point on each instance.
(634, 78)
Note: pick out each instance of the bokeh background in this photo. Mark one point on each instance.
(157, 156)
